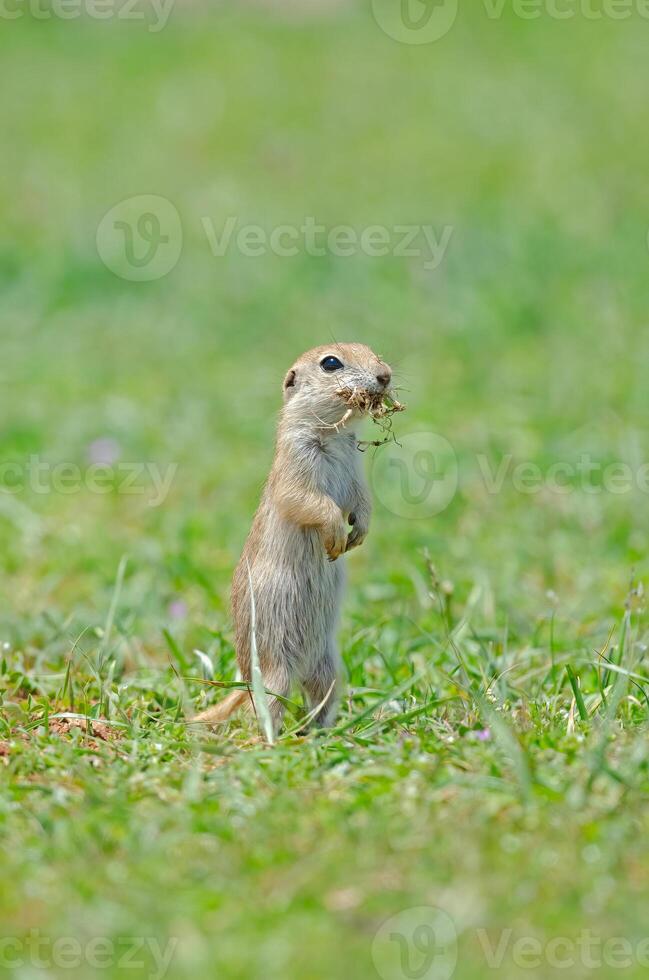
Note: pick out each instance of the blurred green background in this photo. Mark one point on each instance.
(526, 138)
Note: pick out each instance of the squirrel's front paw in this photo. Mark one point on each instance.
(334, 539)
(358, 533)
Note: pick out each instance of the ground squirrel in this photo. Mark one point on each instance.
(315, 506)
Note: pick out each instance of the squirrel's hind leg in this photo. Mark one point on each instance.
(321, 687)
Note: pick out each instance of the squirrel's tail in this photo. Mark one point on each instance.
(220, 712)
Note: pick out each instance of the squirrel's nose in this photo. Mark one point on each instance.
(384, 377)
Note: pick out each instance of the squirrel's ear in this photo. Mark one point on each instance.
(289, 383)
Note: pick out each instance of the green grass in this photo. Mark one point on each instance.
(491, 756)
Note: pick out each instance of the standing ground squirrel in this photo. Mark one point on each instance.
(315, 491)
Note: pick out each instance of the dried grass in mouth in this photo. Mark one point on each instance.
(380, 406)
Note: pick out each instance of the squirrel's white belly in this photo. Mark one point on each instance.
(297, 593)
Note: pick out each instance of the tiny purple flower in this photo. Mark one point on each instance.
(104, 451)
(177, 609)
(483, 735)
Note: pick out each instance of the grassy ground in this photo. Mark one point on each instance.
(488, 762)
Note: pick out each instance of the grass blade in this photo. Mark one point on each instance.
(576, 690)
(112, 610)
(259, 695)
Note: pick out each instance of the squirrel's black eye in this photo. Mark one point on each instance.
(331, 363)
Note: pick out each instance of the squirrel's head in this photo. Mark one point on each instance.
(325, 382)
